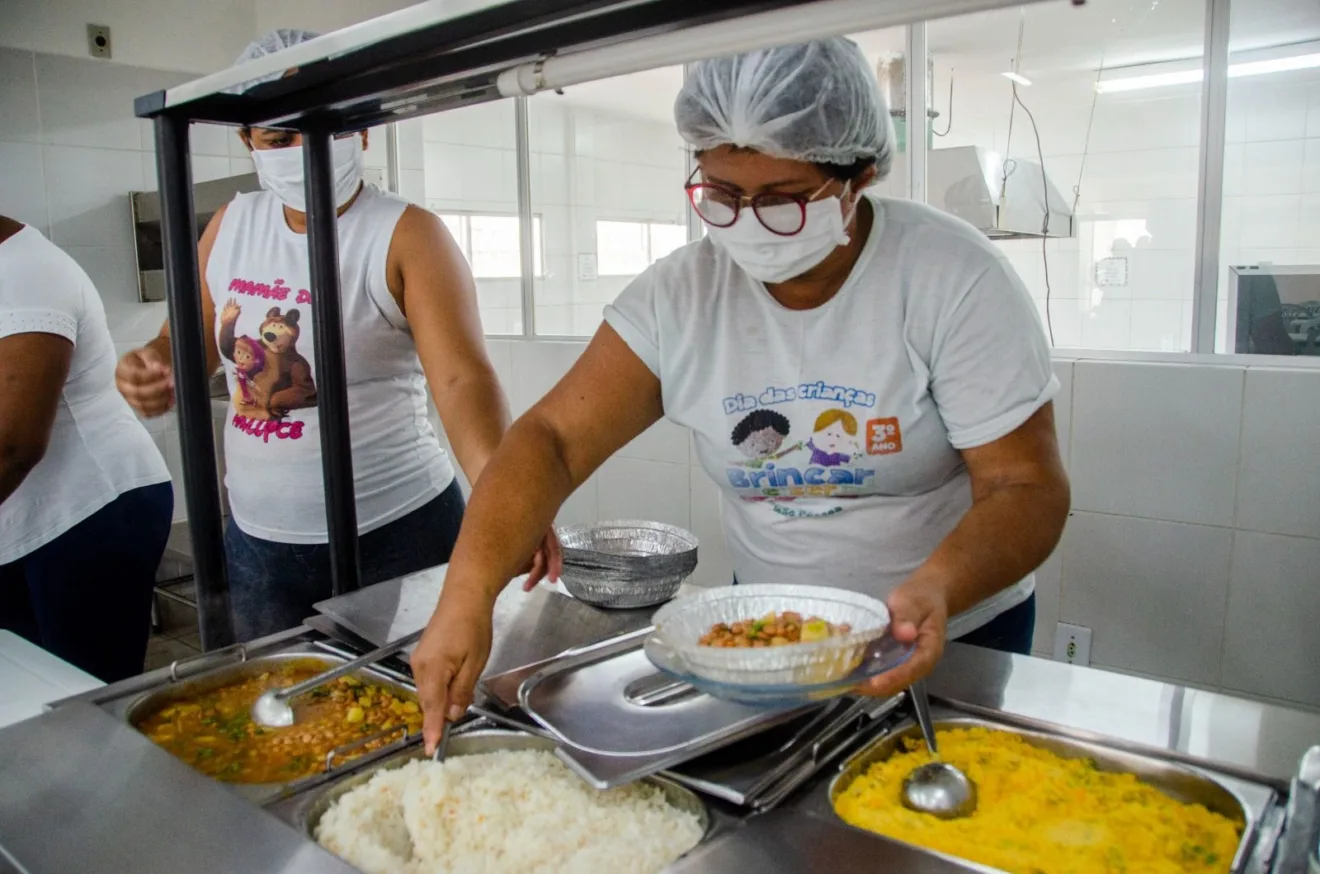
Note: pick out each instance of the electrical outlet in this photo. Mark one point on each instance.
(98, 40)
(1072, 644)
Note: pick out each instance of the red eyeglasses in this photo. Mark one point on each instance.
(782, 214)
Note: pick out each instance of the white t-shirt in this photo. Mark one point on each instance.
(834, 432)
(98, 449)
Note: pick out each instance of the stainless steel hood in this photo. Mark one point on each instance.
(969, 182)
(208, 197)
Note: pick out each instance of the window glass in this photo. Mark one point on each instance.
(1121, 155)
(1269, 279)
(608, 168)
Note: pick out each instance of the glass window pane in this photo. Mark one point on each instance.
(1127, 157)
(606, 162)
(495, 253)
(469, 175)
(665, 239)
(621, 248)
(1269, 278)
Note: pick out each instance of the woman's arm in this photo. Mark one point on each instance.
(1020, 500)
(433, 285)
(33, 368)
(145, 377)
(606, 400)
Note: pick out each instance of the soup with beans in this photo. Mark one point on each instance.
(214, 731)
(772, 629)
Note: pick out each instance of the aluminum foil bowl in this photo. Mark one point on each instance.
(627, 564)
(680, 625)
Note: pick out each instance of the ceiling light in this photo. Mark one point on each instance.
(1016, 77)
(1186, 77)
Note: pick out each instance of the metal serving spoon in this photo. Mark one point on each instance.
(936, 788)
(272, 707)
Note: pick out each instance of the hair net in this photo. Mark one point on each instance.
(816, 102)
(274, 41)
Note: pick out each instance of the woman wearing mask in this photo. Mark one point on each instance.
(410, 320)
(906, 447)
(85, 498)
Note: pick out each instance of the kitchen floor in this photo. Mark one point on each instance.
(168, 647)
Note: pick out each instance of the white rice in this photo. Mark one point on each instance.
(508, 812)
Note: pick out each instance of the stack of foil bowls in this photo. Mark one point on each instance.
(627, 564)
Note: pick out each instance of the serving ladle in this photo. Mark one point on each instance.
(936, 788)
(272, 708)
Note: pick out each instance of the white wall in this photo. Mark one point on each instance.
(321, 16)
(167, 34)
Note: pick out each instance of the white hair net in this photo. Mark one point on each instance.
(816, 102)
(268, 44)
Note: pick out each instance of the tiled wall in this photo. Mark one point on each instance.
(1193, 550)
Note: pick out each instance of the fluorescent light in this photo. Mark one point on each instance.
(1016, 77)
(1156, 80)
(1275, 65)
(1186, 77)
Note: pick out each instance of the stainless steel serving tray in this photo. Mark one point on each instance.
(133, 708)
(1181, 782)
(305, 812)
(619, 720)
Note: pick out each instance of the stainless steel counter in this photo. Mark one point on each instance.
(81, 791)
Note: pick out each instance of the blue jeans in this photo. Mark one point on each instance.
(86, 595)
(272, 586)
(1010, 631)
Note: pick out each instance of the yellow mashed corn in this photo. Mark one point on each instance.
(1038, 813)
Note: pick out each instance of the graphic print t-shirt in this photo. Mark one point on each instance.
(834, 432)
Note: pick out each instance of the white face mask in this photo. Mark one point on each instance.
(281, 171)
(769, 257)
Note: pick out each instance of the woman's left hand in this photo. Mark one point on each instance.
(547, 563)
(919, 611)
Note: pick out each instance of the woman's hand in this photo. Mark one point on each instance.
(547, 563)
(919, 611)
(145, 377)
(450, 657)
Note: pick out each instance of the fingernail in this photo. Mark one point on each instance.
(455, 713)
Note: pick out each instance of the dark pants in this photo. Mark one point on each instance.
(1010, 631)
(272, 586)
(86, 595)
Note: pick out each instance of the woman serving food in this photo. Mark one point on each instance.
(865, 378)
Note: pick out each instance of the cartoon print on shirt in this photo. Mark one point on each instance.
(249, 360)
(780, 467)
(290, 380)
(759, 436)
(273, 377)
(834, 439)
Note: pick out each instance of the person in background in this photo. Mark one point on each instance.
(903, 357)
(410, 320)
(85, 497)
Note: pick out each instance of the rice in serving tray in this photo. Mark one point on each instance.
(509, 811)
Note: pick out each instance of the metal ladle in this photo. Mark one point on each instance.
(272, 707)
(936, 788)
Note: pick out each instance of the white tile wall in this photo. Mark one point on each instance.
(1271, 647)
(1140, 419)
(1279, 484)
(1153, 591)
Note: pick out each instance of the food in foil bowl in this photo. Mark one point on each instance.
(770, 635)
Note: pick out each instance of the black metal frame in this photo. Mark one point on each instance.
(443, 65)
